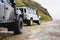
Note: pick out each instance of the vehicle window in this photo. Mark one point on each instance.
(17, 8)
(11, 1)
(24, 10)
(33, 12)
(21, 9)
(1, 1)
(8, 1)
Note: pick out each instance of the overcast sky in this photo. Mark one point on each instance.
(53, 7)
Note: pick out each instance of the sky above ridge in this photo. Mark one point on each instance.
(53, 7)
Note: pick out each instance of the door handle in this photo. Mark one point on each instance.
(3, 17)
(6, 8)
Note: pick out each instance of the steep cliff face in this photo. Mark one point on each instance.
(41, 10)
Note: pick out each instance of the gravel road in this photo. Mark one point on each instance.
(45, 31)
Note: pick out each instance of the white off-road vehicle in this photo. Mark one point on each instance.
(9, 17)
(30, 15)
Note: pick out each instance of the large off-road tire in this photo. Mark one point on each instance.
(18, 29)
(30, 22)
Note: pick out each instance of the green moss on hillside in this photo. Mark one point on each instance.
(44, 17)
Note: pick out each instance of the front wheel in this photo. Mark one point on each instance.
(38, 22)
(19, 26)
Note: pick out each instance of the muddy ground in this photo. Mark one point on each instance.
(46, 31)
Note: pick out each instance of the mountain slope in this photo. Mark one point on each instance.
(41, 10)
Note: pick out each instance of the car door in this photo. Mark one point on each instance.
(1, 10)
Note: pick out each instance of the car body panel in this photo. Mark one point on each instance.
(6, 13)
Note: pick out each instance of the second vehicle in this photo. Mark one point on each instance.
(30, 15)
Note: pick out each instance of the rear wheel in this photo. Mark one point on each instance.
(30, 22)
